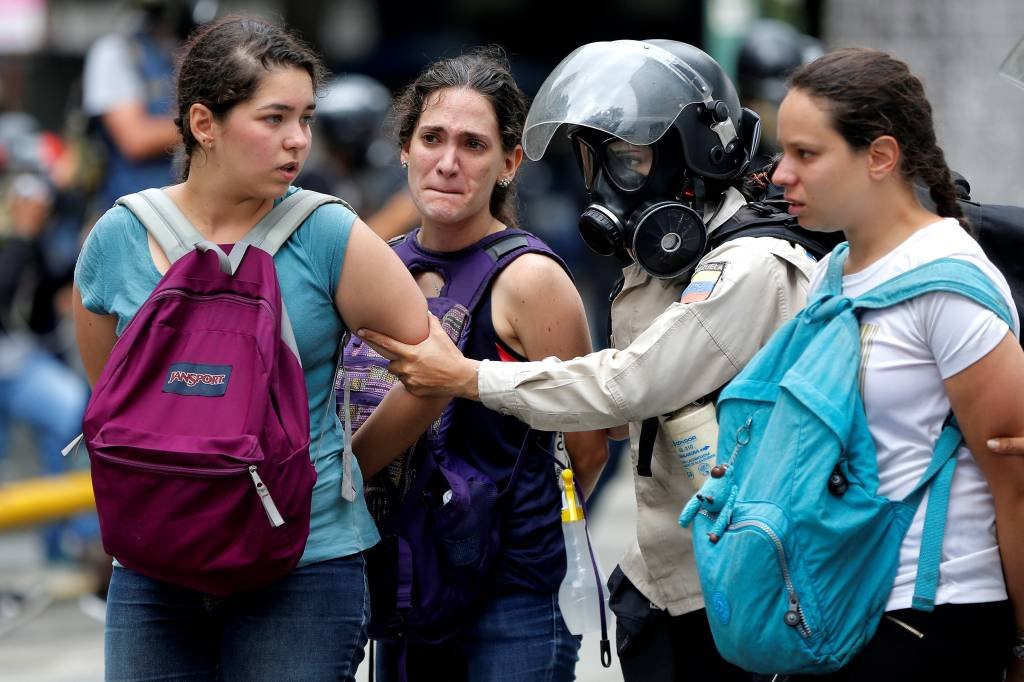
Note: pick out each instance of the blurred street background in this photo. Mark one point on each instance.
(74, 130)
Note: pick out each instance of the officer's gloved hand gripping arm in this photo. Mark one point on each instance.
(686, 353)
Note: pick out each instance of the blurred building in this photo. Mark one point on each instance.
(956, 47)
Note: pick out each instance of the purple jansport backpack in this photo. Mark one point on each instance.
(438, 516)
(198, 428)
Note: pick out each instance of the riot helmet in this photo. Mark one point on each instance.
(180, 17)
(658, 132)
(351, 114)
(771, 51)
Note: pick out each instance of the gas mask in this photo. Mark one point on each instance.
(658, 131)
(643, 204)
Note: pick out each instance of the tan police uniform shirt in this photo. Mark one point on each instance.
(666, 354)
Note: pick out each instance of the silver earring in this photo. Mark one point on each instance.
(504, 183)
(405, 165)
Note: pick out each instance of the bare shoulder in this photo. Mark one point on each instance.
(535, 277)
(537, 310)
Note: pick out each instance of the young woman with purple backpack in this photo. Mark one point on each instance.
(246, 96)
(459, 125)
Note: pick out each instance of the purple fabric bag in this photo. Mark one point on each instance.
(439, 517)
(198, 428)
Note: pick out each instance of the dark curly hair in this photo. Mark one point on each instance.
(868, 94)
(223, 63)
(485, 70)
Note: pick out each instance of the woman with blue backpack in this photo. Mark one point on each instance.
(856, 132)
(226, 491)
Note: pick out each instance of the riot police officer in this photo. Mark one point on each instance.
(662, 142)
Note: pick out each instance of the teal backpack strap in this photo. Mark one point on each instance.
(960, 277)
(940, 475)
(832, 284)
(945, 274)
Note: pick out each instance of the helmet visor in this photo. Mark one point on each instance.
(626, 88)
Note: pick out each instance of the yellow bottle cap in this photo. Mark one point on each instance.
(572, 511)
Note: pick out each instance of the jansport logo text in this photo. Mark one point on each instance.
(192, 378)
(188, 378)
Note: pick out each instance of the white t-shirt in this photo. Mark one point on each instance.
(110, 77)
(907, 351)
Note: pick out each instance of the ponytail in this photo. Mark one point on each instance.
(937, 177)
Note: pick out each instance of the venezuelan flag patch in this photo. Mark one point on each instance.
(703, 282)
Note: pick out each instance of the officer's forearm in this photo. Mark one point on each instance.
(674, 362)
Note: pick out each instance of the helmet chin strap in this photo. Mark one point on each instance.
(695, 192)
(708, 219)
(700, 194)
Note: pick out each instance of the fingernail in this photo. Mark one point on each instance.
(360, 332)
(994, 444)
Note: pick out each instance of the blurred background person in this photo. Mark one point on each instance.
(37, 389)
(771, 51)
(356, 161)
(127, 96)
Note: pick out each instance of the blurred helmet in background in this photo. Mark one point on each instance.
(351, 116)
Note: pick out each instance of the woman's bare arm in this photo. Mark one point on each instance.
(95, 335)
(988, 400)
(538, 311)
(376, 291)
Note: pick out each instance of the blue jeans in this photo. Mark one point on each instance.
(517, 637)
(310, 626)
(50, 398)
(47, 396)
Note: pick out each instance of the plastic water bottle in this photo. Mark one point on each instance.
(578, 596)
(694, 433)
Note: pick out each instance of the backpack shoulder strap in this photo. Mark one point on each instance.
(944, 274)
(506, 246)
(769, 219)
(164, 221)
(177, 236)
(468, 275)
(274, 229)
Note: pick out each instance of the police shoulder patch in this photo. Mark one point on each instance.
(703, 282)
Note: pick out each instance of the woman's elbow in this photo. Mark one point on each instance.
(412, 324)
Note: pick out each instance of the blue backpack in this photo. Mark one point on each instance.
(439, 517)
(796, 551)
